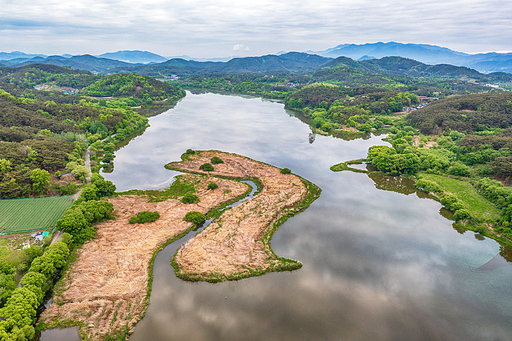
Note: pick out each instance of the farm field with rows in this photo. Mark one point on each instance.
(29, 214)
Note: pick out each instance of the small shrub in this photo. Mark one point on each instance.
(216, 160)
(144, 217)
(459, 169)
(195, 217)
(462, 214)
(213, 185)
(190, 152)
(451, 202)
(428, 186)
(206, 167)
(190, 198)
(286, 171)
(69, 189)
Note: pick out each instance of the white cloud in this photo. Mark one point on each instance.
(240, 47)
(212, 28)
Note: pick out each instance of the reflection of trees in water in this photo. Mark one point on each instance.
(311, 137)
(396, 184)
(506, 252)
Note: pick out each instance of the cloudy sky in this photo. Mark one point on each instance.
(221, 28)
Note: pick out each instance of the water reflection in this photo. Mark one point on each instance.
(379, 263)
(503, 259)
(64, 334)
(397, 184)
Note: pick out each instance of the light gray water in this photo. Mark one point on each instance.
(381, 261)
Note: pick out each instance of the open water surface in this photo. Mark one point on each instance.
(381, 260)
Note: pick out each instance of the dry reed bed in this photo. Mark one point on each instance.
(105, 291)
(237, 244)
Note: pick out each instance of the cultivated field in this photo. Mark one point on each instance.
(20, 215)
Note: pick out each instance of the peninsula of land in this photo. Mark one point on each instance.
(106, 290)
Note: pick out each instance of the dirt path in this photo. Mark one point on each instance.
(88, 163)
(106, 288)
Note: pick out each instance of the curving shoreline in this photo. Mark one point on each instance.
(237, 244)
(107, 289)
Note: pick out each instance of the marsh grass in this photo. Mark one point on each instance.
(345, 166)
(480, 208)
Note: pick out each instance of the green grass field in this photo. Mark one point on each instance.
(18, 215)
(479, 207)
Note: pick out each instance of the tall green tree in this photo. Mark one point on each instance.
(40, 179)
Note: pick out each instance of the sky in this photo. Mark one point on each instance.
(223, 28)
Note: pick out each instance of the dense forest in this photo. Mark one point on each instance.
(126, 85)
(465, 113)
(44, 133)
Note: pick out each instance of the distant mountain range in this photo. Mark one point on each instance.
(415, 60)
(428, 54)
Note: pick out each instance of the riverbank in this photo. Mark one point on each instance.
(106, 291)
(237, 244)
(484, 215)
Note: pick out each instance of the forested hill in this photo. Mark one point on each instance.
(20, 82)
(26, 77)
(125, 85)
(43, 129)
(43, 135)
(465, 113)
(291, 62)
(412, 68)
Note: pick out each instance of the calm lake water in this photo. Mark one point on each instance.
(381, 261)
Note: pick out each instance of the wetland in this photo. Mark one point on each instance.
(380, 259)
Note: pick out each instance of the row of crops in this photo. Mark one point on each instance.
(19, 215)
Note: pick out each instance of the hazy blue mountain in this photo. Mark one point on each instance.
(18, 55)
(135, 56)
(84, 62)
(428, 54)
(365, 57)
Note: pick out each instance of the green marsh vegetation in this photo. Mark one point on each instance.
(190, 198)
(464, 160)
(144, 217)
(207, 167)
(216, 160)
(213, 185)
(195, 217)
(179, 188)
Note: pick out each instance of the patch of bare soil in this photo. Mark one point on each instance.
(237, 244)
(106, 289)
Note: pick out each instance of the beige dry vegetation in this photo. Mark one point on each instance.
(237, 244)
(105, 291)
